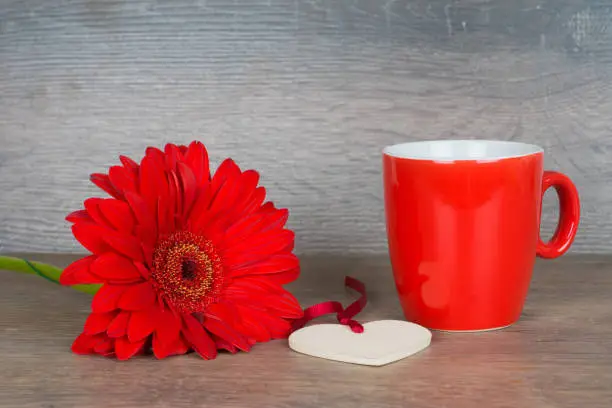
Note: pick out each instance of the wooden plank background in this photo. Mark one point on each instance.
(308, 92)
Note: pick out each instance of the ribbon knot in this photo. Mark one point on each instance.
(344, 316)
(344, 320)
(354, 325)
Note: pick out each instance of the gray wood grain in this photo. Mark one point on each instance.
(557, 356)
(308, 92)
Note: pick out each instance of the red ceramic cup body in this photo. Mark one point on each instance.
(463, 220)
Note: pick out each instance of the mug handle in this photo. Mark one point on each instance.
(569, 215)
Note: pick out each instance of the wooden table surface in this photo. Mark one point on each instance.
(558, 355)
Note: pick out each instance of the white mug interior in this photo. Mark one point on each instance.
(452, 150)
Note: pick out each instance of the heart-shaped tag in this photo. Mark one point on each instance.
(382, 342)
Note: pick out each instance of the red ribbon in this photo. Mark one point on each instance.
(344, 316)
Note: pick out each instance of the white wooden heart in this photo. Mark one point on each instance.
(382, 342)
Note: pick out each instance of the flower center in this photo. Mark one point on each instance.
(187, 271)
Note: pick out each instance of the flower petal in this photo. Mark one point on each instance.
(156, 154)
(197, 159)
(172, 154)
(226, 314)
(226, 195)
(255, 201)
(152, 166)
(213, 207)
(167, 326)
(275, 219)
(78, 272)
(174, 202)
(119, 325)
(248, 184)
(256, 330)
(147, 226)
(277, 327)
(285, 306)
(268, 207)
(165, 216)
(262, 294)
(122, 179)
(222, 311)
(141, 325)
(198, 338)
(253, 286)
(249, 328)
(214, 230)
(77, 216)
(85, 343)
(199, 210)
(90, 236)
(98, 322)
(227, 333)
(242, 229)
(152, 181)
(124, 244)
(148, 252)
(91, 206)
(226, 169)
(258, 248)
(118, 214)
(129, 164)
(285, 277)
(254, 223)
(252, 328)
(107, 298)
(224, 345)
(112, 267)
(258, 284)
(137, 297)
(218, 198)
(104, 183)
(142, 269)
(188, 187)
(105, 347)
(124, 349)
(162, 350)
(274, 265)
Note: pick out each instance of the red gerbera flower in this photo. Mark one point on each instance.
(187, 262)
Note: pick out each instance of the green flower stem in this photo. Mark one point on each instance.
(48, 272)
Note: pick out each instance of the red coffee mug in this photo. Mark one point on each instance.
(463, 227)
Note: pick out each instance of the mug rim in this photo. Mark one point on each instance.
(448, 150)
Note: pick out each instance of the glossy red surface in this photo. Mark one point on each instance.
(463, 236)
(569, 203)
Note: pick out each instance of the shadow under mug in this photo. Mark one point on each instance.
(463, 228)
